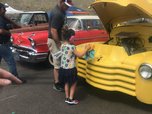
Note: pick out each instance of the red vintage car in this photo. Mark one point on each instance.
(88, 28)
(30, 43)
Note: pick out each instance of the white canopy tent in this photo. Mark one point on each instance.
(10, 10)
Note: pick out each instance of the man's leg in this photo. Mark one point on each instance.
(0, 59)
(56, 75)
(53, 49)
(57, 85)
(8, 57)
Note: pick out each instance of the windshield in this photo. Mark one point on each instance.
(24, 19)
(92, 24)
(84, 24)
(74, 24)
(32, 18)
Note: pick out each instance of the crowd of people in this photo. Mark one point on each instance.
(65, 72)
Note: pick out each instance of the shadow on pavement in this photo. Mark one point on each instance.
(35, 66)
(118, 97)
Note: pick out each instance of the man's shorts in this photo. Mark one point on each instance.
(54, 49)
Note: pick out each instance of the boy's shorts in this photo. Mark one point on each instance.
(54, 49)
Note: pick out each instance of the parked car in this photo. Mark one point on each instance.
(31, 18)
(30, 43)
(76, 11)
(38, 17)
(124, 63)
(88, 28)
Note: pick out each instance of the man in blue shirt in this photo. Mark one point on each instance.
(56, 23)
(5, 51)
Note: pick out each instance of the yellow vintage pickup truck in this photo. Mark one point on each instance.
(124, 62)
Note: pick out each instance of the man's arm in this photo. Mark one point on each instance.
(83, 52)
(55, 36)
(15, 25)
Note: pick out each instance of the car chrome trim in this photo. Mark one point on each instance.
(146, 64)
(25, 47)
(29, 55)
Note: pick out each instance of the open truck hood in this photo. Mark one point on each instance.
(112, 12)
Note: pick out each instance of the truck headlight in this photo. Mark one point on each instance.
(145, 70)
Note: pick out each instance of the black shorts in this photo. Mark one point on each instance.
(68, 75)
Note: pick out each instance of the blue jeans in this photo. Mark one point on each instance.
(7, 55)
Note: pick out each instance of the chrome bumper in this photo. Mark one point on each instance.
(28, 55)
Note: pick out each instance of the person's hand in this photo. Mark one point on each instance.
(58, 44)
(92, 46)
(65, 27)
(14, 24)
(87, 47)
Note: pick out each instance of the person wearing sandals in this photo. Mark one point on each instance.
(68, 71)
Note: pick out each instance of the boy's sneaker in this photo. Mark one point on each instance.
(57, 87)
(66, 100)
(72, 102)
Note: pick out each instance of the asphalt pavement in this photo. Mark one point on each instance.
(38, 97)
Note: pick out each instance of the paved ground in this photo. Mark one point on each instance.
(38, 97)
